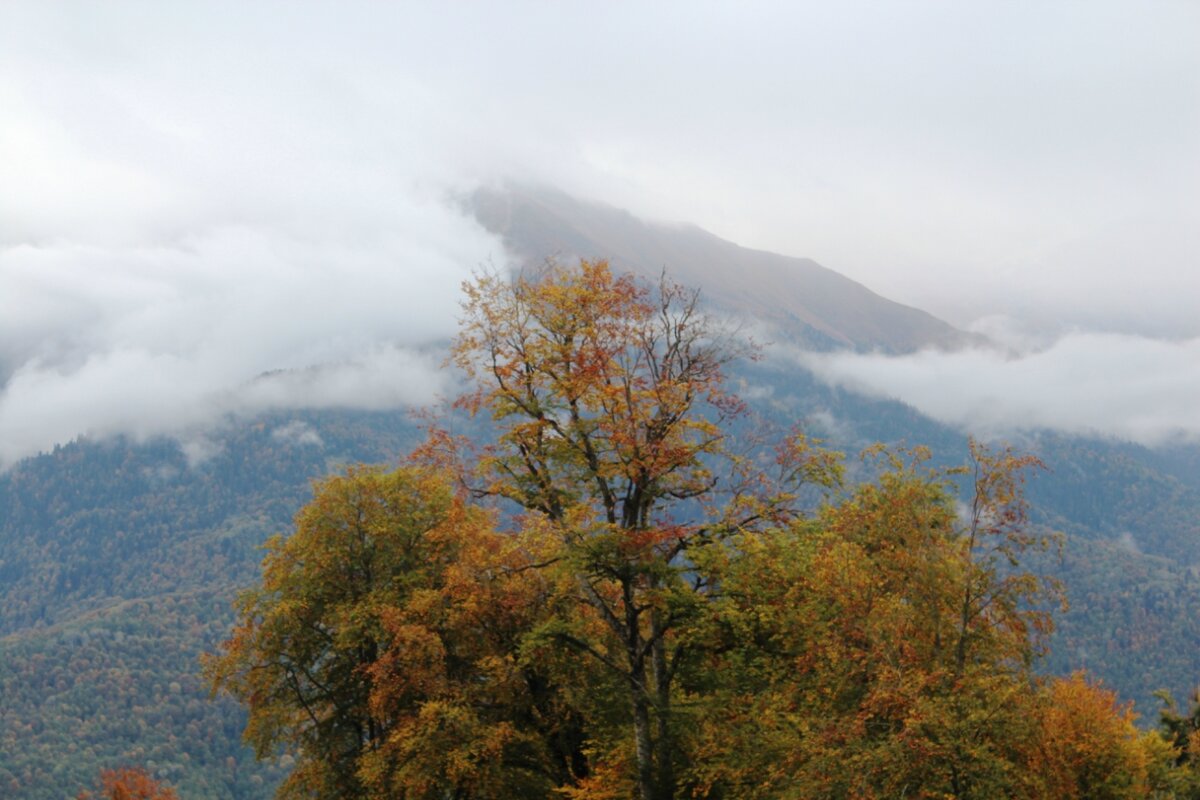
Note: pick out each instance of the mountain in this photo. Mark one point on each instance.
(803, 302)
(119, 559)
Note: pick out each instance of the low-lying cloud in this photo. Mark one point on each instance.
(209, 209)
(148, 339)
(189, 235)
(1130, 387)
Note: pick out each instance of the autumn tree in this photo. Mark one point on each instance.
(1089, 747)
(382, 629)
(611, 600)
(612, 419)
(471, 712)
(128, 783)
(878, 650)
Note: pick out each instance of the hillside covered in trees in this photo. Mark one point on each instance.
(121, 561)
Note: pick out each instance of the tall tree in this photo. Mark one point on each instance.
(877, 651)
(612, 419)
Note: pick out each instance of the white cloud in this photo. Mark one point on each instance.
(148, 340)
(197, 194)
(298, 432)
(192, 233)
(198, 448)
(1130, 387)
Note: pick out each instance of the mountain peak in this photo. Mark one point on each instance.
(802, 302)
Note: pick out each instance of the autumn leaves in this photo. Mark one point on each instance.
(608, 601)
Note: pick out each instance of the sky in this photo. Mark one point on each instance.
(220, 208)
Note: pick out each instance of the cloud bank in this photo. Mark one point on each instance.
(191, 232)
(146, 340)
(197, 195)
(1131, 387)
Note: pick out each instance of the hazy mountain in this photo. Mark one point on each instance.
(802, 301)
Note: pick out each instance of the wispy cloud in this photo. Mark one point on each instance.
(1130, 387)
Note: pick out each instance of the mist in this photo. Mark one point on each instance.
(198, 236)
(1093, 384)
(221, 208)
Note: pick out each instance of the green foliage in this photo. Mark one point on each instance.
(122, 687)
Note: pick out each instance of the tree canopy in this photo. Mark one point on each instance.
(613, 599)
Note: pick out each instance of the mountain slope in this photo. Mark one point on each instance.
(802, 301)
(119, 563)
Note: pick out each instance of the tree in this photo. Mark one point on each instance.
(470, 715)
(877, 650)
(657, 618)
(612, 415)
(376, 627)
(1181, 732)
(1089, 746)
(129, 783)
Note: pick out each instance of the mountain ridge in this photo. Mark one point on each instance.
(804, 302)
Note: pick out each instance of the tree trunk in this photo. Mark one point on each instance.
(645, 752)
(662, 689)
(638, 695)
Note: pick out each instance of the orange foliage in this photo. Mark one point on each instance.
(1089, 746)
(647, 630)
(129, 783)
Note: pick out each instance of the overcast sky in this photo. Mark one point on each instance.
(193, 194)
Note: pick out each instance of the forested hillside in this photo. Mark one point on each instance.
(120, 560)
(120, 564)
